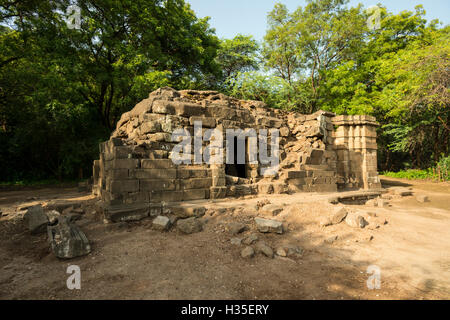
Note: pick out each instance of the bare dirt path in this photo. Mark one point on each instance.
(132, 261)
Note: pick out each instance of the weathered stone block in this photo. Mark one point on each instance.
(150, 127)
(197, 194)
(125, 164)
(190, 225)
(161, 223)
(119, 174)
(157, 185)
(155, 173)
(157, 164)
(122, 186)
(269, 226)
(35, 219)
(218, 192)
(166, 196)
(205, 183)
(126, 213)
(207, 122)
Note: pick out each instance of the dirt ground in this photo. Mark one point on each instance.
(132, 261)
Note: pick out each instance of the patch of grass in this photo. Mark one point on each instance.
(412, 174)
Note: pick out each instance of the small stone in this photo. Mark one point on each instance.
(236, 241)
(269, 226)
(53, 216)
(331, 240)
(333, 200)
(263, 248)
(161, 223)
(281, 252)
(356, 220)
(262, 203)
(293, 250)
(247, 252)
(190, 225)
(236, 227)
(339, 215)
(250, 239)
(422, 199)
(403, 192)
(325, 222)
(272, 209)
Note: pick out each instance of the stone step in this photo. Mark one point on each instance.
(272, 188)
(323, 187)
(240, 190)
(310, 167)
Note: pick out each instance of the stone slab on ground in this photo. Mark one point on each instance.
(422, 198)
(269, 226)
(126, 213)
(161, 223)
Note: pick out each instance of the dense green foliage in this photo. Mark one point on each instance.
(440, 172)
(62, 89)
(324, 56)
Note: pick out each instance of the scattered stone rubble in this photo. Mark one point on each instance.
(135, 177)
(66, 239)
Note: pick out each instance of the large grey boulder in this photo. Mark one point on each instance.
(190, 225)
(35, 219)
(67, 240)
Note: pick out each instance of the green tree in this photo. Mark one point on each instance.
(63, 89)
(313, 40)
(240, 54)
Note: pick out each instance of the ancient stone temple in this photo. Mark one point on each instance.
(136, 172)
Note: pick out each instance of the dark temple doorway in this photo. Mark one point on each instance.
(235, 169)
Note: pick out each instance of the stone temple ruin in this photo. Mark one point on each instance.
(136, 176)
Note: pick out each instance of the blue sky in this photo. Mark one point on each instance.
(230, 17)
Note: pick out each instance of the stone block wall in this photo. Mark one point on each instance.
(136, 167)
(356, 149)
